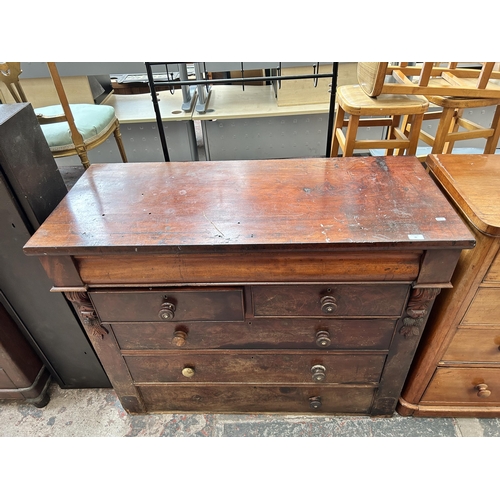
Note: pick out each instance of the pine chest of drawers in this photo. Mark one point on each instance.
(254, 286)
(457, 368)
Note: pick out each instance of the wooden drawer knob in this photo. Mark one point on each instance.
(318, 373)
(323, 338)
(328, 304)
(482, 391)
(180, 338)
(188, 371)
(315, 402)
(167, 311)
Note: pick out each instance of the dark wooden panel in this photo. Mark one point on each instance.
(190, 305)
(350, 300)
(255, 399)
(222, 266)
(259, 333)
(255, 367)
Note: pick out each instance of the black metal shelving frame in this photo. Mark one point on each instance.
(224, 81)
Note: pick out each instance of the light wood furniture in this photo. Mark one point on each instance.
(383, 111)
(254, 286)
(429, 78)
(457, 369)
(453, 126)
(70, 129)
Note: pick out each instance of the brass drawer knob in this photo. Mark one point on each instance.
(179, 339)
(323, 338)
(315, 402)
(318, 373)
(482, 391)
(167, 311)
(328, 304)
(188, 371)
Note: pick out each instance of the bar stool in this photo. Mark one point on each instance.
(453, 127)
(386, 110)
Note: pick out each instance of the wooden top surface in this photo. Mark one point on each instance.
(331, 202)
(230, 101)
(138, 108)
(473, 181)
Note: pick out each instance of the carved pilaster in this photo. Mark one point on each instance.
(417, 309)
(88, 315)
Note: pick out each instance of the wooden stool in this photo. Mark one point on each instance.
(385, 110)
(453, 127)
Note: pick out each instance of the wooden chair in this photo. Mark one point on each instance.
(429, 78)
(383, 111)
(453, 126)
(70, 129)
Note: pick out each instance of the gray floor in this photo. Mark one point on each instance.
(98, 413)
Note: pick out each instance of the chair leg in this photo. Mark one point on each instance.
(82, 153)
(413, 137)
(396, 120)
(350, 136)
(454, 126)
(442, 130)
(339, 120)
(492, 142)
(119, 142)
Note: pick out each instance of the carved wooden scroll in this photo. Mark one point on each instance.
(88, 315)
(417, 309)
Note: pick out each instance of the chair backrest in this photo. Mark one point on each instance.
(371, 77)
(9, 74)
(429, 78)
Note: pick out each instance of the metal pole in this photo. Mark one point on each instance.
(159, 123)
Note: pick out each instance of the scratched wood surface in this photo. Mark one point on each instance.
(378, 201)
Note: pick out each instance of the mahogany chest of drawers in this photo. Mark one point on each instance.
(254, 286)
(457, 367)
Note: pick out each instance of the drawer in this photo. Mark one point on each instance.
(333, 300)
(484, 308)
(462, 386)
(256, 367)
(493, 274)
(214, 304)
(474, 345)
(256, 399)
(259, 333)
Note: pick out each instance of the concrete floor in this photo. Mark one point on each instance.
(98, 413)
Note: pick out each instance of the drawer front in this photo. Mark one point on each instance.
(259, 333)
(188, 305)
(257, 399)
(474, 345)
(334, 300)
(484, 308)
(256, 367)
(493, 274)
(464, 386)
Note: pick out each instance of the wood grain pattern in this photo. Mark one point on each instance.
(282, 333)
(474, 346)
(254, 367)
(459, 386)
(493, 275)
(146, 207)
(255, 398)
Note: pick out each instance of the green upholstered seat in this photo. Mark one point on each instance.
(91, 120)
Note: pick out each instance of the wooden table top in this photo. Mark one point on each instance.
(333, 203)
(473, 181)
(231, 102)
